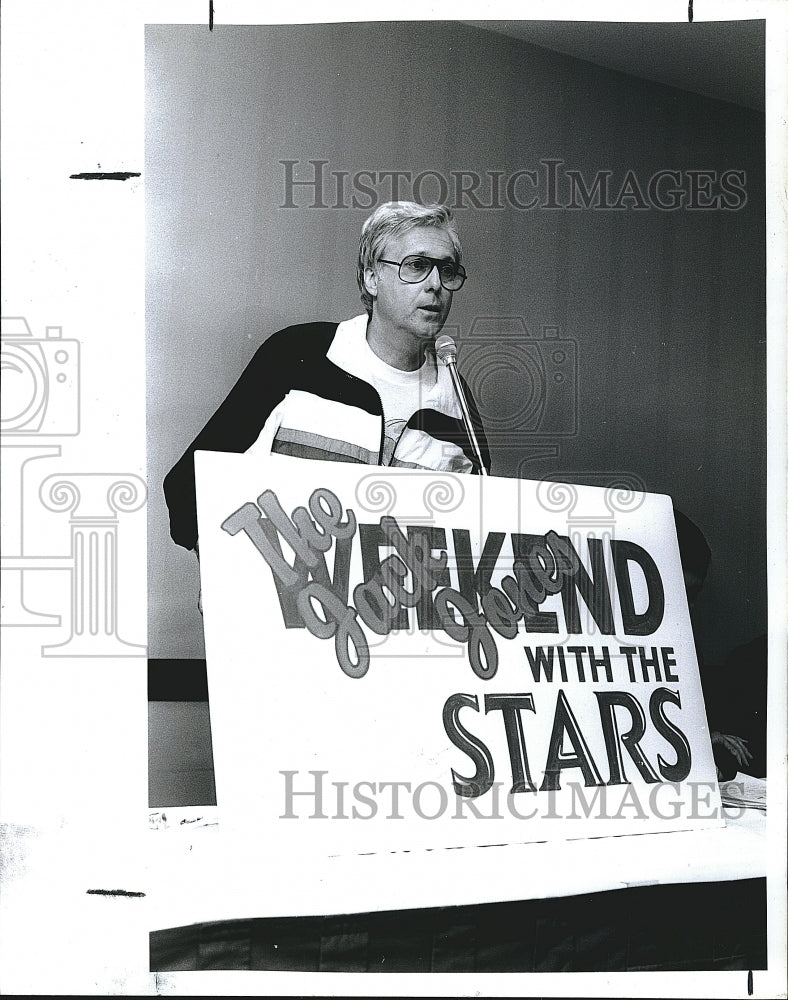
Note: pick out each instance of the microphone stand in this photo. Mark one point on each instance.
(446, 350)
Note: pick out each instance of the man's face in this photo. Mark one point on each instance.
(416, 311)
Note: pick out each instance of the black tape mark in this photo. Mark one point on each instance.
(113, 892)
(749, 983)
(119, 175)
(689, 11)
(210, 15)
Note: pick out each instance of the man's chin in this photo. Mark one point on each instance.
(430, 326)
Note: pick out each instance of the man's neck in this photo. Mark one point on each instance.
(407, 356)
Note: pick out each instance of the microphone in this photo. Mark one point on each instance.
(446, 350)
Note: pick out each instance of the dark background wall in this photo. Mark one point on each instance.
(667, 308)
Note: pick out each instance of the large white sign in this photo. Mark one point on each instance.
(402, 660)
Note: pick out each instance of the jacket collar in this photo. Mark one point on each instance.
(346, 353)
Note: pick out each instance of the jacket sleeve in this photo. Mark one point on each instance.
(234, 427)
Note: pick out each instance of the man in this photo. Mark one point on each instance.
(367, 390)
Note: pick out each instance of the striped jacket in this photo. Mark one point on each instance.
(304, 394)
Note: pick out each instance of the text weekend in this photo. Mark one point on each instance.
(543, 565)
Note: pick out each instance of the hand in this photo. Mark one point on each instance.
(734, 745)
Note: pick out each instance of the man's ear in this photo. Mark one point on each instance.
(371, 280)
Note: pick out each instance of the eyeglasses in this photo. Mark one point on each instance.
(417, 267)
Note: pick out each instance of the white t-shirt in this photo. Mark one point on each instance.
(402, 393)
